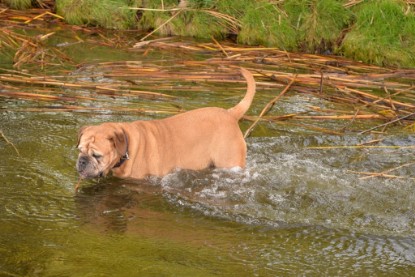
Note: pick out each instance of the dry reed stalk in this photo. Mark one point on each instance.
(315, 128)
(9, 142)
(56, 83)
(42, 15)
(147, 42)
(231, 23)
(114, 110)
(395, 94)
(319, 109)
(78, 184)
(161, 26)
(42, 97)
(269, 118)
(282, 120)
(352, 3)
(339, 117)
(31, 50)
(387, 123)
(371, 142)
(376, 174)
(220, 47)
(313, 117)
(377, 98)
(361, 147)
(382, 174)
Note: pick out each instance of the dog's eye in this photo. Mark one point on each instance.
(96, 156)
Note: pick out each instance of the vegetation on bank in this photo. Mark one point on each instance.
(374, 31)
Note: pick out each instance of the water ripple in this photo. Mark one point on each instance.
(286, 184)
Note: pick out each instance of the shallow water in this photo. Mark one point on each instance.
(294, 210)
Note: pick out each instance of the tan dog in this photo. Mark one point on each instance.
(193, 140)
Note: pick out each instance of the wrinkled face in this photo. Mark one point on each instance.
(100, 148)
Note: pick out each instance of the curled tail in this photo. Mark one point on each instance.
(242, 107)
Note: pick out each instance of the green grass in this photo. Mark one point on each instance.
(266, 24)
(18, 4)
(305, 25)
(317, 23)
(112, 14)
(382, 34)
(194, 21)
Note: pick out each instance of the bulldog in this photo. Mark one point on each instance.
(197, 139)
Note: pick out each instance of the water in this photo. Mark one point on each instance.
(294, 210)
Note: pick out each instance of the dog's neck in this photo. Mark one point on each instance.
(125, 156)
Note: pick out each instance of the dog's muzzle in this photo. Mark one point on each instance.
(82, 163)
(86, 168)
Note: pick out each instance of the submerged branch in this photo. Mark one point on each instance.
(9, 142)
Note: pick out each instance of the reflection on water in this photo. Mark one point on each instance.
(166, 210)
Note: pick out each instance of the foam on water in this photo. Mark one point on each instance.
(284, 184)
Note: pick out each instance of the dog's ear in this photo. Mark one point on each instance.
(120, 141)
(80, 133)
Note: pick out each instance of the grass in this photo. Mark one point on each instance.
(317, 23)
(266, 24)
(295, 25)
(112, 14)
(197, 20)
(378, 32)
(18, 4)
(383, 34)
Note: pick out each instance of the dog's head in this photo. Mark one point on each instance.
(101, 148)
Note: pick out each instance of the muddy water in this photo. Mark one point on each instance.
(294, 210)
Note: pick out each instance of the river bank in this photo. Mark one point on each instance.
(375, 32)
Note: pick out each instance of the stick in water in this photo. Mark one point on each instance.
(77, 185)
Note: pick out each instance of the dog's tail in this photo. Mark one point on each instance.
(242, 107)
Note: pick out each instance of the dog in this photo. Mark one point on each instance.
(195, 140)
